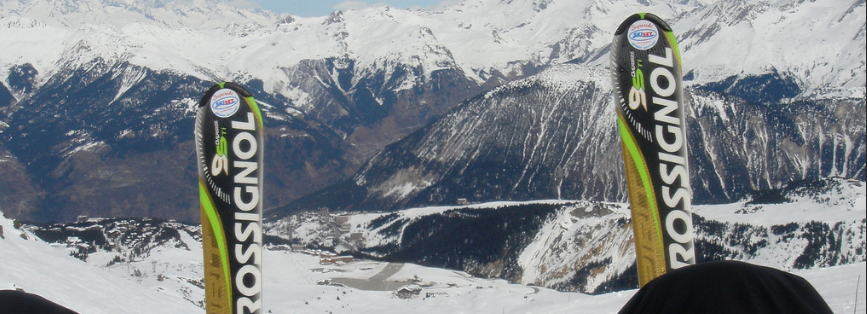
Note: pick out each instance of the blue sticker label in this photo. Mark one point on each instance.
(225, 103)
(643, 35)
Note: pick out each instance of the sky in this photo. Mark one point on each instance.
(311, 8)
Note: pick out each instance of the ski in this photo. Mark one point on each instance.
(648, 95)
(229, 152)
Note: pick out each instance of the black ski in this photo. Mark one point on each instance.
(229, 151)
(648, 94)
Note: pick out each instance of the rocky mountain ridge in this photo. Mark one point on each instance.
(553, 136)
(96, 113)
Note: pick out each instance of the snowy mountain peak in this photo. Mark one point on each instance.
(365, 78)
(819, 44)
(20, 22)
(196, 13)
(206, 38)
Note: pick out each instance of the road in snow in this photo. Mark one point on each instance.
(378, 282)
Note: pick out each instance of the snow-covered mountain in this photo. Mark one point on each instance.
(815, 229)
(586, 246)
(34, 266)
(96, 118)
(552, 136)
(818, 43)
(96, 96)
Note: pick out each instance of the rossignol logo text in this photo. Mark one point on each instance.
(247, 228)
(670, 137)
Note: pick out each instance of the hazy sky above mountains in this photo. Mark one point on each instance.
(310, 8)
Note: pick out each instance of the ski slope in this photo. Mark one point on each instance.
(36, 267)
(295, 282)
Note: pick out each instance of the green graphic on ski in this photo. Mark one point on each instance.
(229, 151)
(648, 95)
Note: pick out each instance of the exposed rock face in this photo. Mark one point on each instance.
(553, 136)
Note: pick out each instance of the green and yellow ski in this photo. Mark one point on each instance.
(229, 151)
(648, 95)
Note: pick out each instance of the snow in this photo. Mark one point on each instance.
(296, 282)
(293, 284)
(849, 204)
(405, 189)
(820, 42)
(36, 267)
(86, 146)
(782, 38)
(444, 291)
(555, 246)
(477, 36)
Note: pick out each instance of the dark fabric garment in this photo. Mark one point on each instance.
(19, 302)
(726, 287)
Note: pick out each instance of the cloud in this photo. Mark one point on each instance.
(431, 4)
(351, 5)
(248, 4)
(415, 4)
(243, 4)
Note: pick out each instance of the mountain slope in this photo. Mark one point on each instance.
(511, 143)
(32, 265)
(337, 89)
(564, 245)
(553, 136)
(586, 246)
(297, 280)
(823, 57)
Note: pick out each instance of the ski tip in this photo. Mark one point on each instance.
(230, 85)
(238, 88)
(642, 16)
(207, 96)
